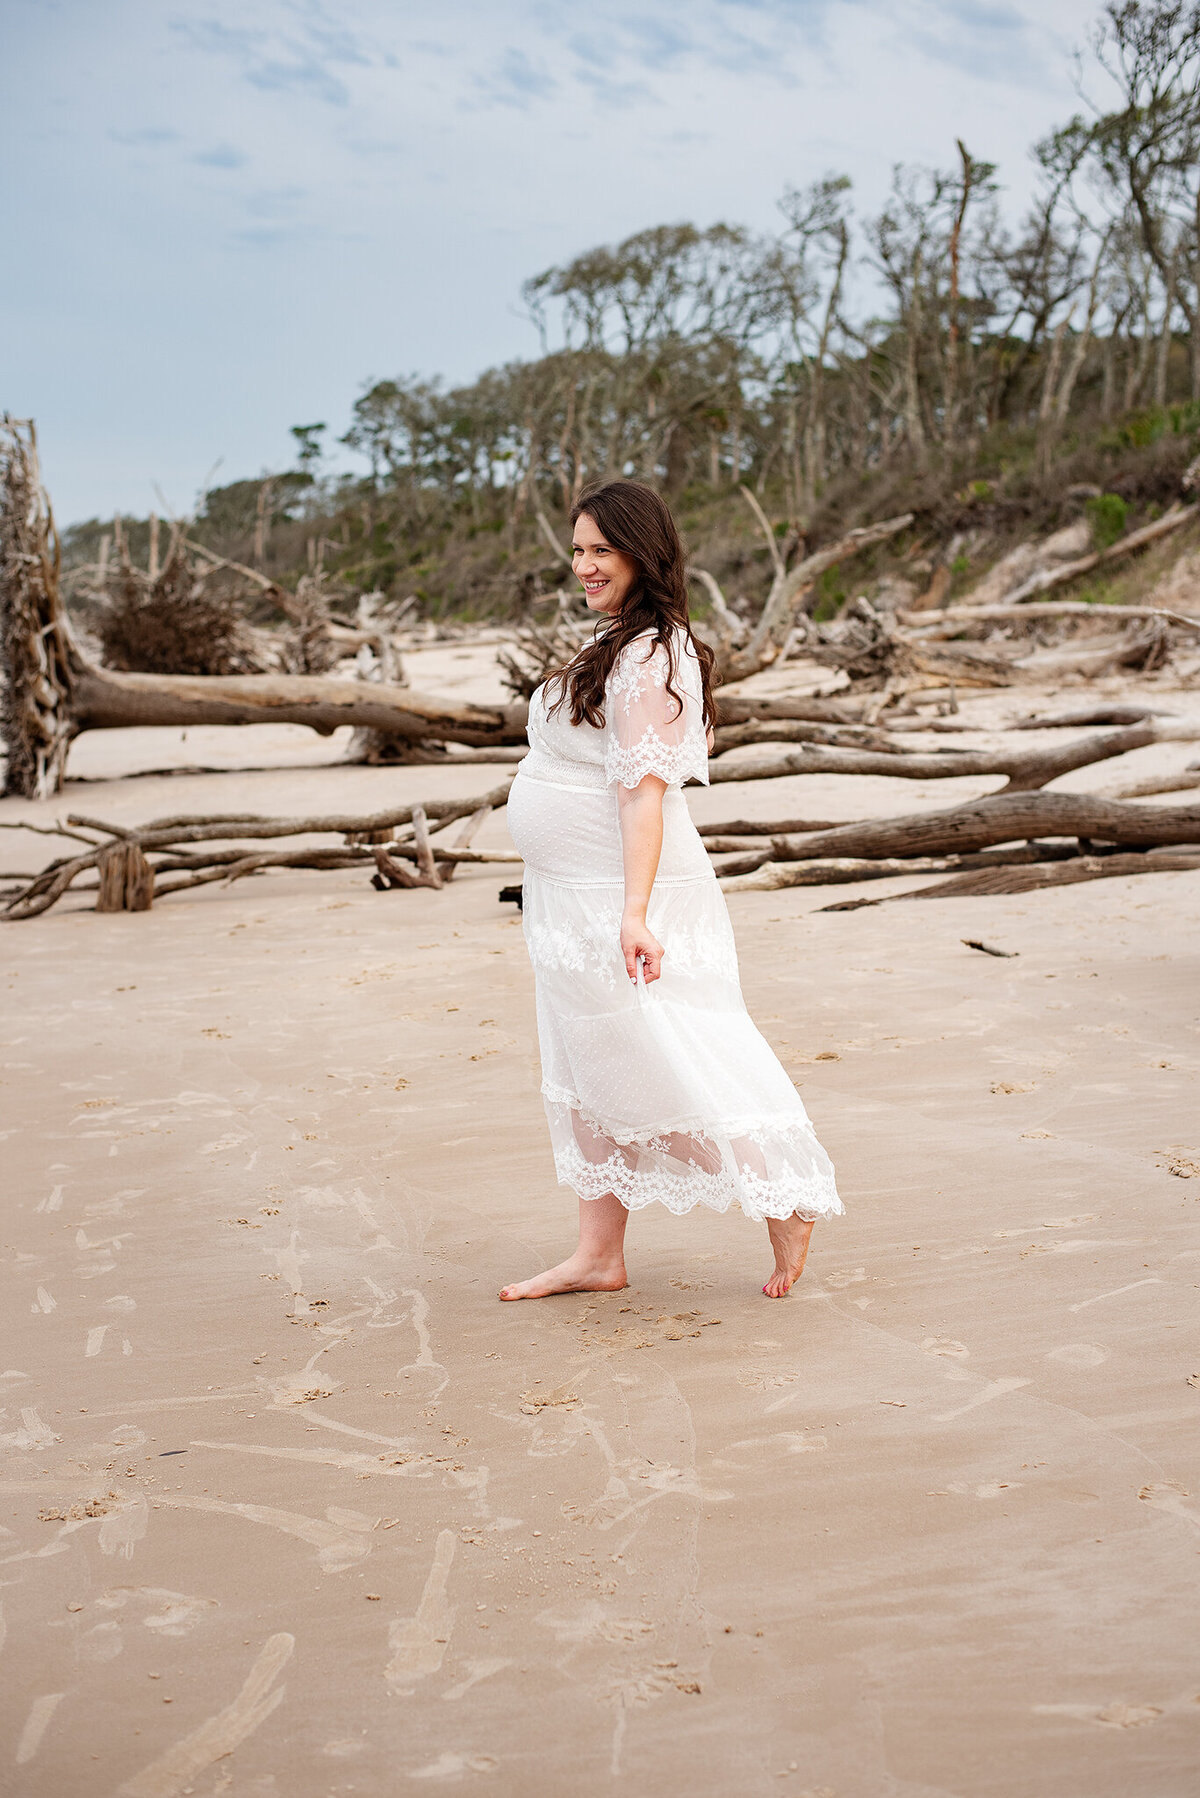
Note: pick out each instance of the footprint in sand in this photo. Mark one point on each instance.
(1109, 1716)
(449, 1765)
(1078, 1354)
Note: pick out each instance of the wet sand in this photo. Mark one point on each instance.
(292, 1506)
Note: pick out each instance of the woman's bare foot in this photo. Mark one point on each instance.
(789, 1239)
(579, 1274)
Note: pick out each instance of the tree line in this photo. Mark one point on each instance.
(838, 357)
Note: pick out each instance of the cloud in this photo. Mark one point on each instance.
(222, 156)
(274, 202)
(991, 43)
(295, 59)
(515, 81)
(145, 136)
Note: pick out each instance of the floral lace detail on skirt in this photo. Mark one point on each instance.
(589, 948)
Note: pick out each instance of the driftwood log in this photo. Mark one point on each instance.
(1030, 879)
(1025, 769)
(957, 618)
(1049, 578)
(1015, 817)
(121, 854)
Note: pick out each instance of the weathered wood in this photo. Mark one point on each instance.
(1070, 571)
(770, 876)
(171, 833)
(392, 873)
(753, 827)
(1008, 817)
(463, 837)
(37, 656)
(425, 861)
(1162, 783)
(791, 730)
(1091, 714)
(105, 700)
(788, 585)
(1025, 769)
(786, 864)
(126, 879)
(743, 708)
(200, 827)
(1027, 880)
(954, 618)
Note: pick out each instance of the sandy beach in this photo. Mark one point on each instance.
(292, 1507)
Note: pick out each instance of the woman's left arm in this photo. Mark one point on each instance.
(640, 810)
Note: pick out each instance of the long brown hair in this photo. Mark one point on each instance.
(634, 519)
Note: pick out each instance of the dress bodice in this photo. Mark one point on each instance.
(646, 729)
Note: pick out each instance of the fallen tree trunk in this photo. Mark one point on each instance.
(360, 833)
(751, 827)
(1162, 783)
(1028, 880)
(786, 864)
(791, 730)
(1025, 769)
(1145, 650)
(1007, 818)
(104, 700)
(955, 618)
(1093, 714)
(1071, 571)
(742, 708)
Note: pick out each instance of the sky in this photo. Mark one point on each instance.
(225, 217)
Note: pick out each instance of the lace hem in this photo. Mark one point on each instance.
(630, 763)
(680, 1181)
(788, 1194)
(780, 1129)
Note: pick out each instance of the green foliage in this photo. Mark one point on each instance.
(1185, 419)
(1141, 429)
(308, 444)
(1107, 513)
(229, 514)
(831, 595)
(1099, 593)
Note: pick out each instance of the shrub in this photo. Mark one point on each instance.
(1107, 513)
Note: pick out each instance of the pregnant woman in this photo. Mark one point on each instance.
(658, 1087)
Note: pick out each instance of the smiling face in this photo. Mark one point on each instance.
(607, 574)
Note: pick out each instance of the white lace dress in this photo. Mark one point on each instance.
(666, 1093)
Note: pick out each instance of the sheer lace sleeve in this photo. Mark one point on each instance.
(646, 731)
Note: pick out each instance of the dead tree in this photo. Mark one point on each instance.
(36, 661)
(769, 635)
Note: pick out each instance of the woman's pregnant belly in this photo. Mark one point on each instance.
(573, 835)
